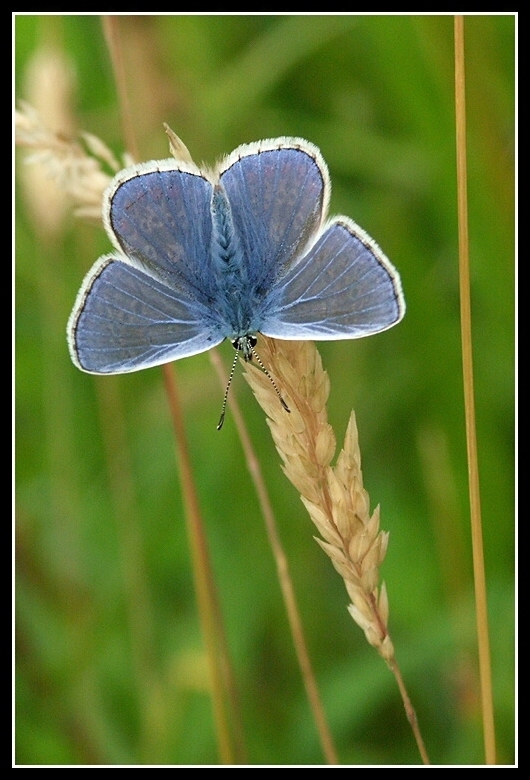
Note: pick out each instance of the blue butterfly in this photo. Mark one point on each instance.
(202, 256)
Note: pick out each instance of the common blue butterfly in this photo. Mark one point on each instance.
(202, 256)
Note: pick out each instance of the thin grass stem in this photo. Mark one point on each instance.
(207, 601)
(284, 577)
(469, 399)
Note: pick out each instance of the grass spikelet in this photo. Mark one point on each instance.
(78, 171)
(334, 496)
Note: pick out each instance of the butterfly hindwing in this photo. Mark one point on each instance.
(125, 320)
(344, 287)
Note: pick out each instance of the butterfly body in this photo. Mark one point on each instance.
(203, 256)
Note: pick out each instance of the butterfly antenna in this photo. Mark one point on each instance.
(273, 383)
(225, 399)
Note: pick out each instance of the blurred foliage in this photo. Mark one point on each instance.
(110, 663)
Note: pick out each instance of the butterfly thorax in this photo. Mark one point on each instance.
(238, 313)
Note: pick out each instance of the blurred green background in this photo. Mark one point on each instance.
(110, 662)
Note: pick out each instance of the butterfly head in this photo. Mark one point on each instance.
(245, 345)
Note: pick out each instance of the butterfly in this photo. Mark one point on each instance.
(207, 255)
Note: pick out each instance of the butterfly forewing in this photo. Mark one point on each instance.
(160, 217)
(278, 196)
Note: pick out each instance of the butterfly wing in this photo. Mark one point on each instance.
(125, 320)
(278, 192)
(155, 302)
(160, 299)
(158, 214)
(343, 287)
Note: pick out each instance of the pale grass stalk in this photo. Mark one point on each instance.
(469, 400)
(49, 85)
(334, 496)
